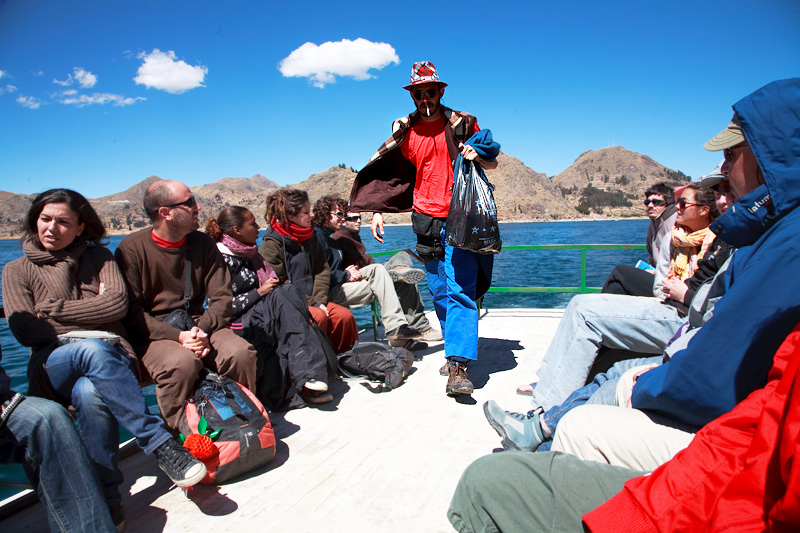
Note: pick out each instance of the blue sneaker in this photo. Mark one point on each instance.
(519, 431)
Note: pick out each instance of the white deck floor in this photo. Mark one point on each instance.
(385, 462)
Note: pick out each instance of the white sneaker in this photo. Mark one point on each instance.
(316, 386)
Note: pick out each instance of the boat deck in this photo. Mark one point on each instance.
(365, 462)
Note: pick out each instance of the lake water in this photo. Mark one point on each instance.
(511, 269)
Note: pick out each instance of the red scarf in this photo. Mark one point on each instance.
(164, 243)
(298, 234)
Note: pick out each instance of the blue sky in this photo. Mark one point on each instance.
(99, 95)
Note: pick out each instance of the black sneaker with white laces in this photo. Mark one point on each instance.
(183, 468)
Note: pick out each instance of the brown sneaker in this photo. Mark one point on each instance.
(458, 383)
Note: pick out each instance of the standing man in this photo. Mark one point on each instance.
(154, 263)
(413, 170)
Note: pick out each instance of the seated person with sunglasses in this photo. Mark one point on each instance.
(639, 326)
(628, 279)
(400, 268)
(603, 316)
(153, 262)
(353, 286)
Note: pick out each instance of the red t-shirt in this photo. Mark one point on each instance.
(425, 145)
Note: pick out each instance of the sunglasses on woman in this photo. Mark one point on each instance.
(722, 188)
(655, 201)
(683, 204)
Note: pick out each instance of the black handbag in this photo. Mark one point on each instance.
(181, 318)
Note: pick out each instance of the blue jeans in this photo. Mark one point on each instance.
(40, 435)
(601, 390)
(634, 323)
(97, 379)
(453, 285)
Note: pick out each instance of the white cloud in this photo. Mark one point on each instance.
(85, 78)
(70, 98)
(2, 73)
(322, 63)
(7, 89)
(69, 92)
(161, 70)
(29, 101)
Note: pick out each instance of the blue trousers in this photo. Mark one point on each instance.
(453, 285)
(40, 435)
(96, 378)
(601, 391)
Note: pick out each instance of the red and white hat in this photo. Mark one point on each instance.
(423, 72)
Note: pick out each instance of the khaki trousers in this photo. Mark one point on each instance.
(376, 284)
(620, 436)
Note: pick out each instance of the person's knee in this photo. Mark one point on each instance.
(572, 430)
(45, 415)
(86, 398)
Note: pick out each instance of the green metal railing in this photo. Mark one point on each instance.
(583, 289)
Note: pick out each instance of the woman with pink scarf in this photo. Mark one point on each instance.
(292, 367)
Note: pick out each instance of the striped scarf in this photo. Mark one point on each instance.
(689, 248)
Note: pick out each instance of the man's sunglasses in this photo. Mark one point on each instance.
(338, 214)
(683, 204)
(353, 218)
(429, 92)
(655, 201)
(189, 202)
(728, 152)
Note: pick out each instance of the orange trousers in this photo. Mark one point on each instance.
(339, 325)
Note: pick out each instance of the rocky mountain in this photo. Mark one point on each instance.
(600, 182)
(524, 194)
(613, 180)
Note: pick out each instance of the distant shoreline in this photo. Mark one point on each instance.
(604, 219)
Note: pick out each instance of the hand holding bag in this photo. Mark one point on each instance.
(472, 219)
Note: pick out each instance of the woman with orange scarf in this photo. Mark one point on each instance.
(689, 240)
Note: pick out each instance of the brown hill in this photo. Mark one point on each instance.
(622, 173)
(12, 213)
(520, 192)
(524, 194)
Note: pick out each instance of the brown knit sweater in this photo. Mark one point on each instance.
(46, 294)
(156, 276)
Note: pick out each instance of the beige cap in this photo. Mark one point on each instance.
(730, 136)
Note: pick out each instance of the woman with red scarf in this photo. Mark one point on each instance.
(292, 368)
(292, 250)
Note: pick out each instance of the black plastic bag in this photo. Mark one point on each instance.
(472, 220)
